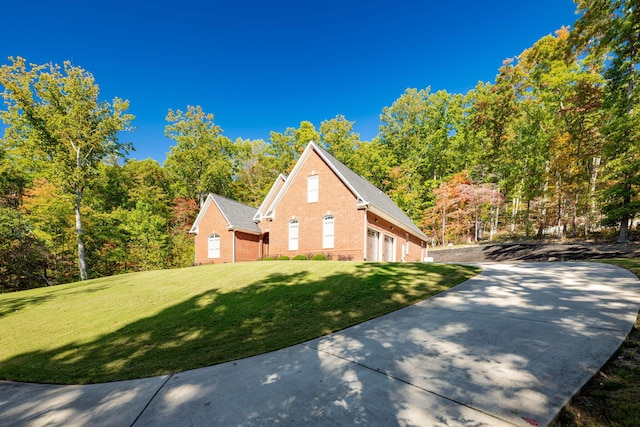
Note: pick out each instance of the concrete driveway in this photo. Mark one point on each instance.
(509, 347)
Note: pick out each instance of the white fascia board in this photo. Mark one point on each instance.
(203, 210)
(338, 174)
(382, 214)
(260, 213)
(243, 230)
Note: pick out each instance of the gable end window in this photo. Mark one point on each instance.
(293, 235)
(213, 246)
(312, 189)
(327, 232)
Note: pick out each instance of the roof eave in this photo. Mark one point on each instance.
(244, 230)
(392, 220)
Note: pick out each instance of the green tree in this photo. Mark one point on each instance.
(55, 116)
(12, 182)
(255, 176)
(203, 160)
(284, 149)
(337, 136)
(136, 192)
(419, 132)
(612, 28)
(23, 258)
(181, 247)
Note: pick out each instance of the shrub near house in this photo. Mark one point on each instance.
(321, 207)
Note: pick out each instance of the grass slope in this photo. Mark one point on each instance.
(151, 323)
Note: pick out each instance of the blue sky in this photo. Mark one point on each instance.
(262, 66)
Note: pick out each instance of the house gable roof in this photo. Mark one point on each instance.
(237, 215)
(263, 211)
(366, 194)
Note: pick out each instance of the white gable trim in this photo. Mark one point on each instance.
(203, 211)
(263, 212)
(338, 174)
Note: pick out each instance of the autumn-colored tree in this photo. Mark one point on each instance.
(50, 213)
(612, 28)
(460, 210)
(181, 249)
(565, 93)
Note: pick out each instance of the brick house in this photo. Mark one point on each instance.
(225, 232)
(321, 207)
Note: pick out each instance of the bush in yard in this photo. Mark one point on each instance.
(300, 257)
(268, 258)
(319, 257)
(283, 258)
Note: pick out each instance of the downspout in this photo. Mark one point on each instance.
(233, 247)
(365, 232)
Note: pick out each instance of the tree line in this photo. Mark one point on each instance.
(550, 148)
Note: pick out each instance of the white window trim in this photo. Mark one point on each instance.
(294, 233)
(312, 188)
(328, 232)
(213, 246)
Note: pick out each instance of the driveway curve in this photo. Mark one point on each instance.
(508, 347)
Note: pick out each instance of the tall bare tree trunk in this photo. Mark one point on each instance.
(623, 237)
(591, 199)
(81, 255)
(545, 189)
(514, 212)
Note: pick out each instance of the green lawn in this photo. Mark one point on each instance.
(150, 323)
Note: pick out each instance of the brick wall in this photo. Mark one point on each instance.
(333, 199)
(247, 247)
(213, 222)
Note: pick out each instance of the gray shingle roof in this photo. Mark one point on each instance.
(369, 193)
(237, 214)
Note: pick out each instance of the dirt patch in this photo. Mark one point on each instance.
(535, 252)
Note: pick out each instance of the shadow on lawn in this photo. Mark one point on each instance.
(444, 361)
(214, 327)
(16, 301)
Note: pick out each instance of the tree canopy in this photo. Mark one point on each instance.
(55, 118)
(549, 149)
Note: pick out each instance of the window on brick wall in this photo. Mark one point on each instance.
(407, 244)
(214, 246)
(293, 235)
(327, 232)
(312, 189)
